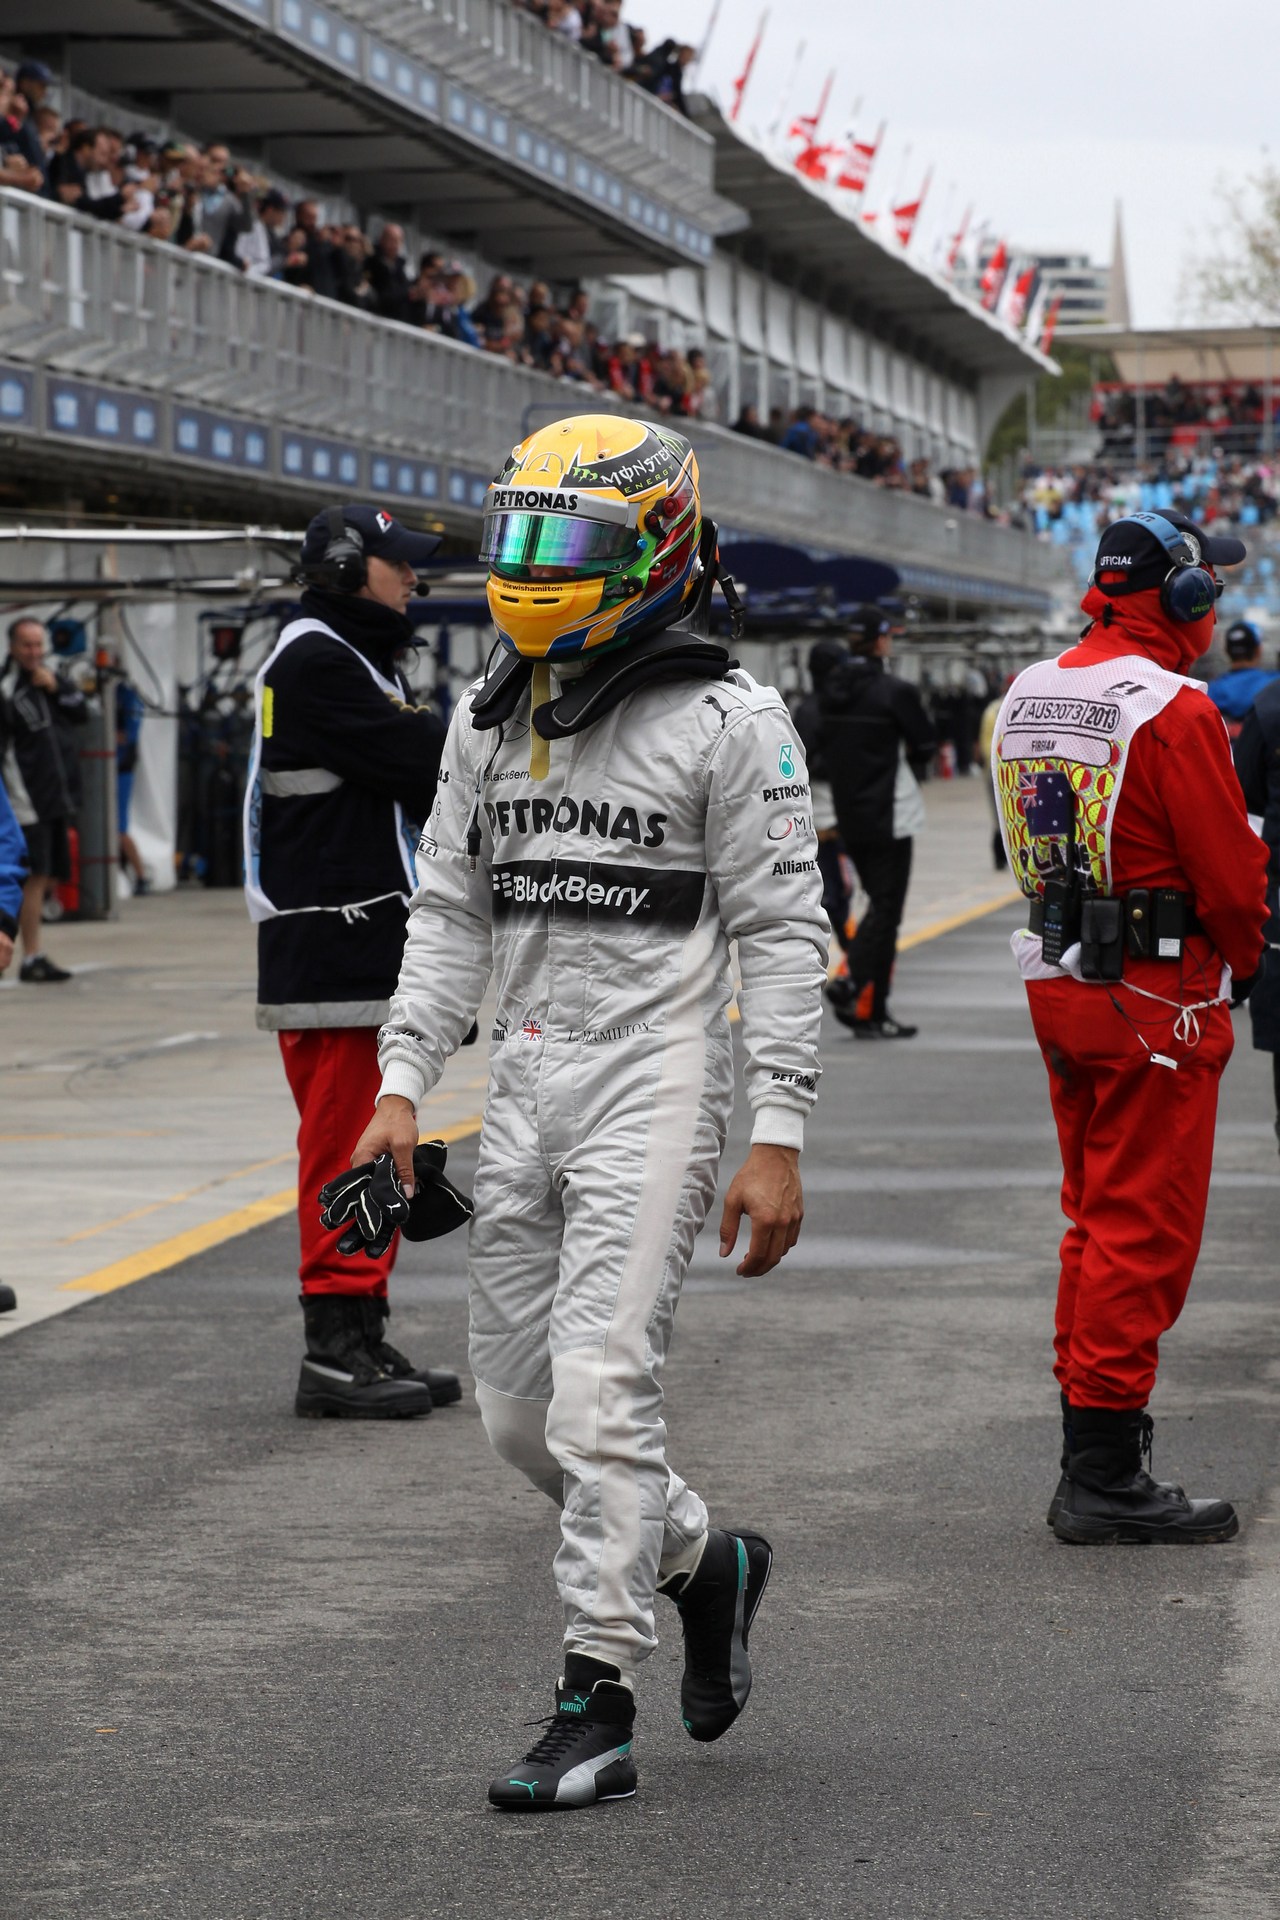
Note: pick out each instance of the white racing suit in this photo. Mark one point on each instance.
(603, 898)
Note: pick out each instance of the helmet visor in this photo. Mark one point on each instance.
(514, 541)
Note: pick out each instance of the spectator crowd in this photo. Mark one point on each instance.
(200, 199)
(597, 27)
(848, 447)
(1179, 413)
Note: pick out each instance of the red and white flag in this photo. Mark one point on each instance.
(743, 80)
(1017, 295)
(993, 276)
(856, 161)
(957, 241)
(805, 126)
(905, 216)
(814, 158)
(1051, 321)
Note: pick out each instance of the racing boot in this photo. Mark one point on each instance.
(1056, 1501)
(445, 1388)
(1109, 1498)
(340, 1377)
(717, 1603)
(584, 1753)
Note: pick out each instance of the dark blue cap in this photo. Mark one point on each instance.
(35, 70)
(376, 533)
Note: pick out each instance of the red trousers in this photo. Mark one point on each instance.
(334, 1078)
(1137, 1150)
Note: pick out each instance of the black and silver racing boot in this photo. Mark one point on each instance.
(1110, 1498)
(340, 1378)
(445, 1388)
(717, 1605)
(584, 1753)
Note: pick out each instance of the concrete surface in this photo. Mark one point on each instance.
(140, 1105)
(260, 1667)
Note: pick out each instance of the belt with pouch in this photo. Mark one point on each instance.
(1156, 920)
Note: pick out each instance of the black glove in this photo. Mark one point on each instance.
(370, 1202)
(1241, 989)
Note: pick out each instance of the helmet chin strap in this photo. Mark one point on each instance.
(539, 745)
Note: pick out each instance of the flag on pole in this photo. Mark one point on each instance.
(1017, 295)
(857, 159)
(905, 216)
(1051, 321)
(743, 80)
(805, 126)
(993, 276)
(957, 241)
(813, 159)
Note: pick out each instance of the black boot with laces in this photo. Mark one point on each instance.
(1110, 1498)
(340, 1379)
(717, 1605)
(445, 1387)
(584, 1753)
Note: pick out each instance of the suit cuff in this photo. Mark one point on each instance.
(403, 1079)
(777, 1126)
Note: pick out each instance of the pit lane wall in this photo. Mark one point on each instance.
(122, 352)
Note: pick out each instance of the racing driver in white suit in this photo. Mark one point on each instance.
(616, 803)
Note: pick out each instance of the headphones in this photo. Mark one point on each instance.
(342, 568)
(1188, 591)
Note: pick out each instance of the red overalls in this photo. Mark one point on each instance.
(1136, 1137)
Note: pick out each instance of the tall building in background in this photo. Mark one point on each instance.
(1093, 294)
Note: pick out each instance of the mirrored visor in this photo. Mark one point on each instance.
(514, 540)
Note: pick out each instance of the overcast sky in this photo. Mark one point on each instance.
(1042, 116)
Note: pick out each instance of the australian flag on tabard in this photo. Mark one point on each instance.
(1048, 803)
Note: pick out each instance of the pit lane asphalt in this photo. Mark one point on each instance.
(258, 1667)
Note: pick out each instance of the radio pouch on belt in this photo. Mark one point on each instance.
(1102, 939)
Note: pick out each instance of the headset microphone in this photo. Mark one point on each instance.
(342, 568)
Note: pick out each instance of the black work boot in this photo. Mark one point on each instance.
(584, 1753)
(1056, 1501)
(1109, 1498)
(717, 1605)
(445, 1388)
(340, 1377)
(8, 1300)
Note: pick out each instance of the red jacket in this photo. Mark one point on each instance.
(1181, 819)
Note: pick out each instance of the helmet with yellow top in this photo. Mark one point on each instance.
(592, 536)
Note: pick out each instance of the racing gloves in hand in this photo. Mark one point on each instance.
(370, 1202)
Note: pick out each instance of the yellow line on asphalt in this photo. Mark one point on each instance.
(174, 1199)
(936, 928)
(183, 1246)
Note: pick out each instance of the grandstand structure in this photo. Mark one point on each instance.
(186, 385)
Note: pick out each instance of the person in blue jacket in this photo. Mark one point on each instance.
(13, 872)
(1234, 692)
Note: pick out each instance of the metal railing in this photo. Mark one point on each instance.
(512, 59)
(84, 298)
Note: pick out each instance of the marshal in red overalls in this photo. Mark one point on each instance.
(1114, 734)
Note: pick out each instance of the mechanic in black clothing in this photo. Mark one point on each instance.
(877, 742)
(343, 773)
(1257, 757)
(824, 656)
(39, 707)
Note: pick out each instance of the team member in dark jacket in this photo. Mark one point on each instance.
(877, 741)
(38, 710)
(1257, 757)
(344, 772)
(13, 873)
